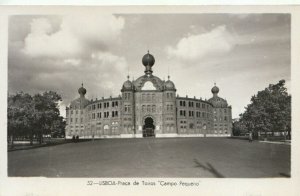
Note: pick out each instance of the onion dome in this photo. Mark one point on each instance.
(169, 85)
(82, 90)
(217, 101)
(215, 89)
(127, 85)
(148, 61)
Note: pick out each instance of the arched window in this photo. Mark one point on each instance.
(148, 86)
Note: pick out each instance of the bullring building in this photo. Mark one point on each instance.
(148, 107)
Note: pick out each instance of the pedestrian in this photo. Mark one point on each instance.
(250, 136)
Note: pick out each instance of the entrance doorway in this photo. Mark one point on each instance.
(148, 128)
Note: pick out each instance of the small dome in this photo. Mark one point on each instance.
(215, 90)
(169, 85)
(127, 85)
(218, 102)
(82, 90)
(148, 59)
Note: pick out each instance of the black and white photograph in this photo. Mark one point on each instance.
(108, 94)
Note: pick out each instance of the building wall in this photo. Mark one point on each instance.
(194, 116)
(222, 120)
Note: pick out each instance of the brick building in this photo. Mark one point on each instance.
(148, 107)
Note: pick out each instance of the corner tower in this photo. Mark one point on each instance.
(222, 119)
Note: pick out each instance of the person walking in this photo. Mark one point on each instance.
(250, 136)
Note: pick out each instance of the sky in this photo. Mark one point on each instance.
(241, 53)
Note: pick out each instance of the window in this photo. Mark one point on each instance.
(153, 108)
(127, 108)
(148, 97)
(148, 108)
(143, 97)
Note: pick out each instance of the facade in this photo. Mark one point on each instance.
(148, 107)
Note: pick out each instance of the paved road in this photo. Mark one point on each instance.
(153, 157)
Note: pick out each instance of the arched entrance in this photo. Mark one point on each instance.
(148, 128)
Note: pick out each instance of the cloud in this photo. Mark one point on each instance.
(77, 35)
(195, 47)
(60, 56)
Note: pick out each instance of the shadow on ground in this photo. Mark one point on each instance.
(208, 167)
(285, 175)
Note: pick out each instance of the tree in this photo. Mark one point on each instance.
(269, 111)
(37, 115)
(18, 114)
(46, 112)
